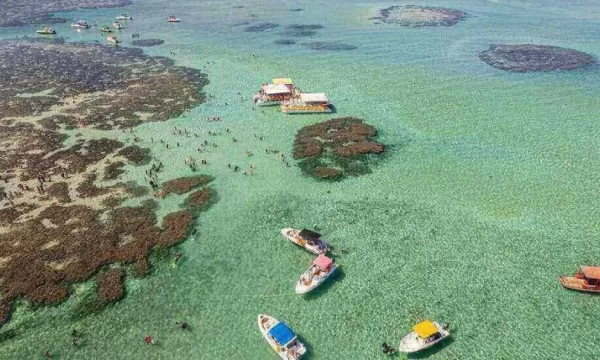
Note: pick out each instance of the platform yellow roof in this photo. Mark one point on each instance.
(425, 329)
(284, 81)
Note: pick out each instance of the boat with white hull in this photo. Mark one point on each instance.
(281, 338)
(307, 239)
(321, 269)
(424, 335)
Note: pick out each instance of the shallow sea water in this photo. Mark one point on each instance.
(487, 194)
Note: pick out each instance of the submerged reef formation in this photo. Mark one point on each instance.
(529, 58)
(420, 16)
(284, 42)
(329, 46)
(260, 27)
(302, 30)
(336, 148)
(59, 224)
(23, 12)
(147, 42)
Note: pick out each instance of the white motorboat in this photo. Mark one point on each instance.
(173, 19)
(309, 240)
(112, 39)
(424, 335)
(124, 17)
(281, 338)
(81, 24)
(117, 25)
(46, 31)
(321, 269)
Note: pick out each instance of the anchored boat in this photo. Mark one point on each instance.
(173, 19)
(281, 338)
(306, 103)
(112, 39)
(587, 279)
(308, 239)
(274, 94)
(124, 17)
(46, 31)
(105, 29)
(321, 269)
(117, 25)
(424, 335)
(81, 24)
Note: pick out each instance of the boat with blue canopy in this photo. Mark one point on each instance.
(281, 338)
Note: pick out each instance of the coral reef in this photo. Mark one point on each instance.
(529, 58)
(329, 46)
(420, 16)
(147, 42)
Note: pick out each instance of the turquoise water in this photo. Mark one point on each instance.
(487, 194)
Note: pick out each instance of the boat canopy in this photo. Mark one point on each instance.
(283, 81)
(591, 272)
(272, 89)
(309, 235)
(425, 329)
(312, 98)
(323, 261)
(282, 333)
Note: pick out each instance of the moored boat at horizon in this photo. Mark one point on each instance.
(117, 25)
(307, 239)
(587, 279)
(80, 24)
(173, 19)
(46, 31)
(124, 17)
(274, 94)
(113, 39)
(321, 269)
(306, 103)
(424, 335)
(281, 338)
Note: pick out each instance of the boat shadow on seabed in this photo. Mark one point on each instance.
(337, 276)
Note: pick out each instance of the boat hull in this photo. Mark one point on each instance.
(577, 284)
(302, 288)
(291, 235)
(306, 111)
(412, 343)
(286, 355)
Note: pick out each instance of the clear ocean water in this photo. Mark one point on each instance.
(488, 192)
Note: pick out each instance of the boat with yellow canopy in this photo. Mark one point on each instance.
(424, 335)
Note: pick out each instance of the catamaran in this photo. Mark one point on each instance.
(306, 103)
(81, 24)
(124, 17)
(321, 269)
(424, 335)
(173, 19)
(117, 25)
(274, 94)
(308, 239)
(46, 31)
(113, 39)
(587, 279)
(281, 338)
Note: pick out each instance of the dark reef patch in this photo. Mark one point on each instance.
(260, 27)
(420, 16)
(24, 12)
(337, 148)
(148, 42)
(530, 58)
(301, 30)
(329, 46)
(183, 185)
(284, 42)
(296, 9)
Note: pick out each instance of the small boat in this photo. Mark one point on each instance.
(306, 103)
(81, 24)
(124, 17)
(274, 94)
(321, 269)
(587, 279)
(105, 29)
(424, 335)
(173, 19)
(117, 25)
(281, 338)
(113, 39)
(46, 31)
(309, 240)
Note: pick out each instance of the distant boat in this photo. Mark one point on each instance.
(321, 269)
(587, 279)
(173, 19)
(124, 17)
(308, 239)
(46, 31)
(424, 335)
(81, 24)
(117, 25)
(112, 39)
(281, 338)
(105, 29)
